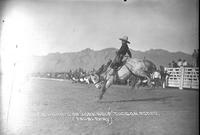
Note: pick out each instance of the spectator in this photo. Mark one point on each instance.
(185, 63)
(180, 63)
(195, 58)
(174, 64)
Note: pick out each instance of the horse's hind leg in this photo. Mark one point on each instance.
(149, 81)
(133, 82)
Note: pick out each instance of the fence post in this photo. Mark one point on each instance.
(193, 72)
(164, 82)
(181, 78)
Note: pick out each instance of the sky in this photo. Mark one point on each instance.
(39, 27)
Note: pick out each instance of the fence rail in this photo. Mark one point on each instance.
(183, 77)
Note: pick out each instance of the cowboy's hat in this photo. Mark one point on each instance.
(125, 38)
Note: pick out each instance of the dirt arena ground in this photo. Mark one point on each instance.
(49, 107)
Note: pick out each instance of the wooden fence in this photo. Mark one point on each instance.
(183, 77)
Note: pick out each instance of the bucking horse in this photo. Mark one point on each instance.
(106, 76)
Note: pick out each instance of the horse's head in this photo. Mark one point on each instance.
(95, 78)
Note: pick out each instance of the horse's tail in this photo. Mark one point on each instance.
(151, 66)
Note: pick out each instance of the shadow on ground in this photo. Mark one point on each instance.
(139, 100)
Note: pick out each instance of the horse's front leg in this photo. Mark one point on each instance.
(106, 85)
(149, 82)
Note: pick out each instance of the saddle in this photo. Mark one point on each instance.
(118, 66)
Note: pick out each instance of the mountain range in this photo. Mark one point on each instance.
(89, 59)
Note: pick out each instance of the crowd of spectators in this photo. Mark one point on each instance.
(184, 63)
(179, 63)
(77, 74)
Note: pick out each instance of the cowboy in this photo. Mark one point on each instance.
(121, 53)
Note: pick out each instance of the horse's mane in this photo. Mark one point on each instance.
(98, 72)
